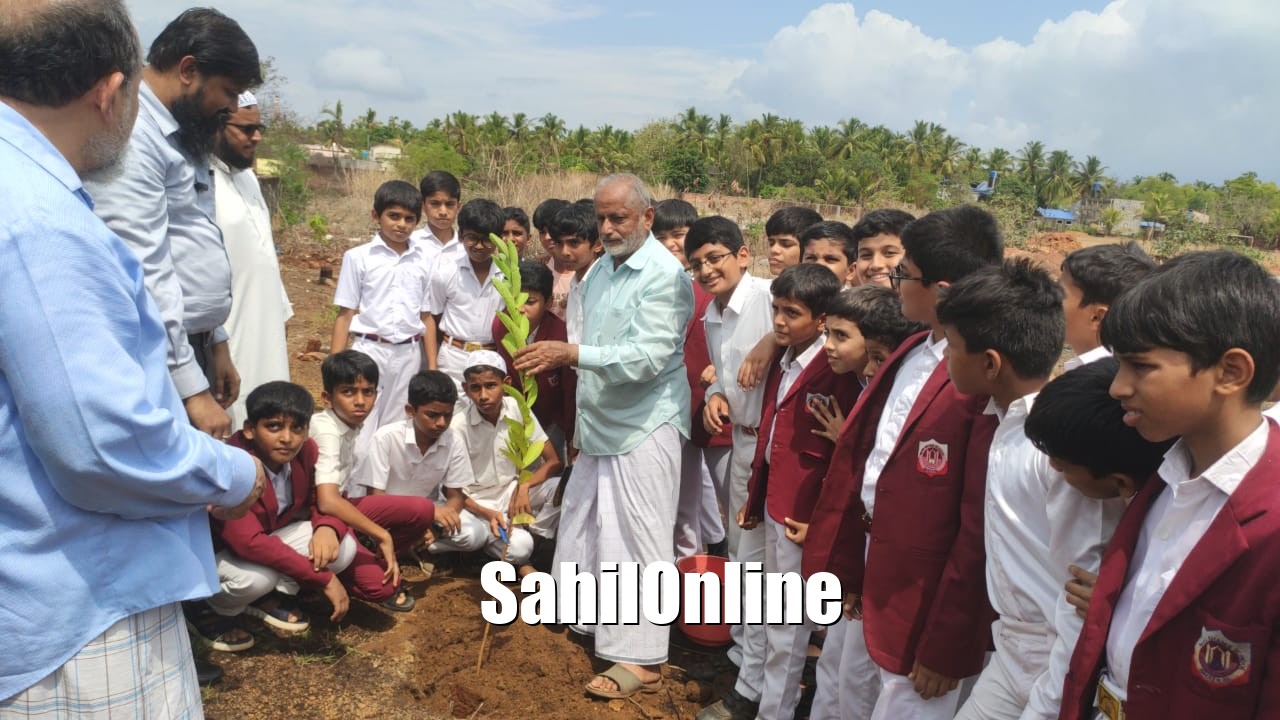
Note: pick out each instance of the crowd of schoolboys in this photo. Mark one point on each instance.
(1010, 545)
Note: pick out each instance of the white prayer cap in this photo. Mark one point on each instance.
(247, 99)
(486, 357)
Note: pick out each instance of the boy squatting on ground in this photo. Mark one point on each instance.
(396, 524)
(462, 300)
(864, 326)
(790, 462)
(554, 407)
(704, 461)
(495, 496)
(1092, 278)
(420, 457)
(441, 197)
(914, 453)
(382, 298)
(1004, 327)
(284, 543)
(1184, 616)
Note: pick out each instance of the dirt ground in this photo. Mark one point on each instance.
(422, 664)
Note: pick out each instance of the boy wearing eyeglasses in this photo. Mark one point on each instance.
(461, 298)
(899, 519)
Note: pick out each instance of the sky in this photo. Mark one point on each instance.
(1182, 86)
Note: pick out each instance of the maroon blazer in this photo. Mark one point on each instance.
(696, 359)
(789, 486)
(249, 538)
(1212, 648)
(557, 389)
(923, 583)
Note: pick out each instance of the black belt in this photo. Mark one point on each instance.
(384, 341)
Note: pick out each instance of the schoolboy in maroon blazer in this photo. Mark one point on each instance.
(555, 406)
(921, 589)
(1185, 614)
(790, 462)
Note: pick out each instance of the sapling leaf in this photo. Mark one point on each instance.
(523, 519)
(533, 453)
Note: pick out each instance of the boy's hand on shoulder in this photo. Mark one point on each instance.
(220, 512)
(1080, 589)
(930, 684)
(337, 595)
(796, 531)
(826, 410)
(754, 367)
(324, 548)
(715, 413)
(448, 519)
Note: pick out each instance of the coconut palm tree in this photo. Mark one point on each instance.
(461, 129)
(1057, 178)
(1000, 161)
(1086, 175)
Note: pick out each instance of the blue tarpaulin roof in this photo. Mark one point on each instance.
(1055, 214)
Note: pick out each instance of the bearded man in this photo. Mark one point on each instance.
(259, 305)
(162, 205)
(633, 411)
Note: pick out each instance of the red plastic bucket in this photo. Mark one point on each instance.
(707, 634)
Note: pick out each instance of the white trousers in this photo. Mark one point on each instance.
(622, 508)
(477, 535)
(715, 493)
(698, 512)
(397, 364)
(899, 700)
(452, 361)
(744, 546)
(140, 667)
(242, 582)
(848, 679)
(785, 644)
(1003, 689)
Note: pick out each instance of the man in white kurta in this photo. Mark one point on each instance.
(259, 305)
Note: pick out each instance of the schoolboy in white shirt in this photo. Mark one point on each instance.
(382, 299)
(462, 299)
(1004, 328)
(1091, 279)
(441, 197)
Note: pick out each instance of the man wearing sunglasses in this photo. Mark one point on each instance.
(259, 305)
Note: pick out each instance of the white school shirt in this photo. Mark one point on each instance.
(1174, 526)
(573, 315)
(1086, 357)
(731, 334)
(913, 373)
(466, 308)
(495, 475)
(435, 252)
(336, 442)
(1273, 412)
(791, 366)
(398, 467)
(281, 482)
(388, 290)
(1035, 525)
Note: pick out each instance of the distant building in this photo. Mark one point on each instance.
(1054, 216)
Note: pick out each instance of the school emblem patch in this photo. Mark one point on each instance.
(931, 458)
(1220, 661)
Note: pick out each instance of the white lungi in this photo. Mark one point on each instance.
(786, 645)
(688, 533)
(1004, 687)
(396, 365)
(140, 667)
(622, 508)
(715, 492)
(242, 582)
(848, 679)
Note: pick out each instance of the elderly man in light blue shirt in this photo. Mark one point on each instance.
(104, 484)
(162, 205)
(633, 411)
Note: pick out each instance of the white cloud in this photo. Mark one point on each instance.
(1146, 85)
(366, 70)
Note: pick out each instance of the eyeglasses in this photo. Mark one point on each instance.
(476, 239)
(897, 275)
(249, 130)
(711, 261)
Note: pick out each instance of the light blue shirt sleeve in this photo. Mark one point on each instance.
(655, 333)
